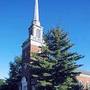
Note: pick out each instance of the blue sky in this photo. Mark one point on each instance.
(16, 16)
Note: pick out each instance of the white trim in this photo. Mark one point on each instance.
(36, 43)
(84, 75)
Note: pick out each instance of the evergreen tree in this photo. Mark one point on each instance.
(11, 83)
(15, 68)
(41, 69)
(56, 65)
(55, 68)
(14, 74)
(2, 82)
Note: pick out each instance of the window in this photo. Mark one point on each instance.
(24, 84)
(38, 33)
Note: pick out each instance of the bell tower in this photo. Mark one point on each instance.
(36, 31)
(31, 45)
(35, 38)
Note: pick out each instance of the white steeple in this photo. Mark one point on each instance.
(36, 30)
(36, 14)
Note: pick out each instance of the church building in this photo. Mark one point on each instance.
(31, 45)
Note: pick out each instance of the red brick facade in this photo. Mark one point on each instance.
(35, 49)
(85, 81)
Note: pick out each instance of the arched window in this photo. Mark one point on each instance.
(24, 83)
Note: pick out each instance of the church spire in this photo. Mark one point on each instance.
(36, 14)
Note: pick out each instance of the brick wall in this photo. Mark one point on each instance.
(85, 80)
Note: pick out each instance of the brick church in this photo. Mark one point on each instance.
(33, 44)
